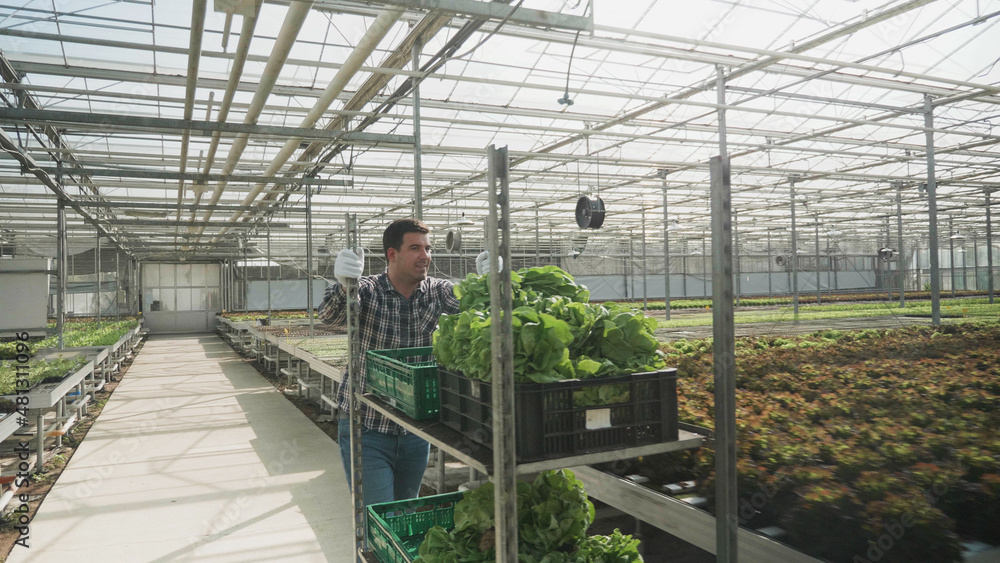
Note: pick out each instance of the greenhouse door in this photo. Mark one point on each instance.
(179, 297)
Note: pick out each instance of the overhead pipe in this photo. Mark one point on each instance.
(198, 9)
(294, 19)
(365, 47)
(423, 30)
(239, 62)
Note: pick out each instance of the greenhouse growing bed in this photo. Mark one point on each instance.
(44, 390)
(847, 436)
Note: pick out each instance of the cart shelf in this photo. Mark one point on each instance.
(481, 458)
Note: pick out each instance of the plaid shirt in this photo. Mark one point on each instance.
(388, 321)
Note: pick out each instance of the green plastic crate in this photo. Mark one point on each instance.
(396, 529)
(407, 379)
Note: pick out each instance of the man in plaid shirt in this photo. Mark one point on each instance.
(399, 308)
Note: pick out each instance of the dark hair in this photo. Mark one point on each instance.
(393, 235)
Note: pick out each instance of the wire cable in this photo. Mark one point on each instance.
(565, 100)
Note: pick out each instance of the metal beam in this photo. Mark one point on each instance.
(172, 206)
(170, 224)
(116, 122)
(28, 163)
(679, 518)
(214, 245)
(194, 176)
(488, 10)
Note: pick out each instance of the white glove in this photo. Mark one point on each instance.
(349, 265)
(483, 263)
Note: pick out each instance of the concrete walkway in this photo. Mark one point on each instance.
(196, 458)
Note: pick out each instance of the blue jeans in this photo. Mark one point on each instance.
(392, 465)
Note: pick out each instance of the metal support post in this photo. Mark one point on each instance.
(705, 273)
(537, 242)
(724, 344)
(963, 253)
(134, 286)
(118, 284)
(830, 265)
(975, 261)
(666, 247)
(888, 264)
(269, 278)
(97, 271)
(138, 286)
(245, 286)
(353, 392)
(629, 280)
(232, 284)
(736, 258)
(932, 213)
(231, 271)
(418, 195)
(795, 252)
(224, 288)
(309, 260)
(724, 354)
(40, 440)
(836, 266)
(684, 270)
(989, 247)
(645, 299)
(60, 417)
(819, 289)
(501, 331)
(901, 260)
(951, 253)
(63, 270)
(770, 284)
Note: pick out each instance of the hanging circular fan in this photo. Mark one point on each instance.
(590, 212)
(453, 241)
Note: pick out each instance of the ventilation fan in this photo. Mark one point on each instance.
(453, 241)
(590, 212)
(886, 254)
(783, 260)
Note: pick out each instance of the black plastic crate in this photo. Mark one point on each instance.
(548, 425)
